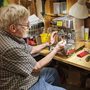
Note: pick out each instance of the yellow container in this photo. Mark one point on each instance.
(86, 35)
(45, 37)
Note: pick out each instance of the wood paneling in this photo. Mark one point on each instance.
(14, 1)
(31, 5)
(49, 6)
(87, 22)
(70, 3)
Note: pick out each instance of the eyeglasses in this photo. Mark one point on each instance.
(26, 26)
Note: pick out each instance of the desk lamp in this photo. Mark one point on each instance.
(79, 10)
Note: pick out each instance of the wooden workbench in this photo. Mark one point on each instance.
(72, 60)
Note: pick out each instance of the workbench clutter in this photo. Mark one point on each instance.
(63, 21)
(65, 28)
(67, 50)
(45, 37)
(68, 47)
(31, 41)
(36, 26)
(66, 33)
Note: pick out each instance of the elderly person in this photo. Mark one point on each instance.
(18, 69)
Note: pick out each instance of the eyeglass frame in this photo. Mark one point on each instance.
(27, 26)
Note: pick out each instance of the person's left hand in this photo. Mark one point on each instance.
(53, 37)
(58, 47)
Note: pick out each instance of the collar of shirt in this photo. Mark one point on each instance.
(17, 39)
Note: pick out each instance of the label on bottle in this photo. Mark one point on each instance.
(86, 34)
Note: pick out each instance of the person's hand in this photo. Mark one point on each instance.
(57, 48)
(53, 37)
(60, 45)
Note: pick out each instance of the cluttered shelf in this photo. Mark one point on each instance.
(58, 15)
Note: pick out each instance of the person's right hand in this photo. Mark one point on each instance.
(58, 48)
(62, 42)
(60, 45)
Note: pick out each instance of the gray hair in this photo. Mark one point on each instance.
(12, 14)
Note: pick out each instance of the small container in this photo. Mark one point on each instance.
(45, 37)
(86, 34)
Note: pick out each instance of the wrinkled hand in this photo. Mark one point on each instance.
(58, 48)
(60, 45)
(53, 37)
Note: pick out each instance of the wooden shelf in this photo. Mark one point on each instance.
(58, 15)
(55, 15)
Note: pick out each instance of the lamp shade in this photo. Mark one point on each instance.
(79, 10)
